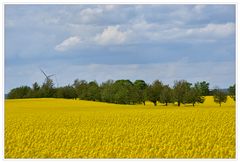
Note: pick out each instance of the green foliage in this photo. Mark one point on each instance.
(20, 92)
(107, 91)
(167, 95)
(181, 90)
(81, 88)
(194, 95)
(154, 91)
(141, 91)
(67, 92)
(35, 91)
(203, 87)
(36, 87)
(232, 91)
(120, 91)
(124, 92)
(219, 96)
(93, 91)
(47, 89)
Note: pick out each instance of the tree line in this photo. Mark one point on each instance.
(125, 92)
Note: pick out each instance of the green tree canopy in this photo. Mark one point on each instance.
(219, 96)
(20, 92)
(166, 95)
(181, 89)
(81, 88)
(124, 92)
(154, 91)
(93, 91)
(67, 92)
(194, 95)
(203, 87)
(232, 91)
(107, 91)
(140, 87)
(47, 89)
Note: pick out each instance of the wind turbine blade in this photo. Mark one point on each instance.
(50, 75)
(44, 73)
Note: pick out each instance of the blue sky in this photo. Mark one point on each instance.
(101, 42)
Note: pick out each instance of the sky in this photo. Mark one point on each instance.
(101, 42)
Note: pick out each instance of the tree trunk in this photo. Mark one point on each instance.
(155, 103)
(178, 103)
(166, 103)
(143, 102)
(193, 104)
(220, 104)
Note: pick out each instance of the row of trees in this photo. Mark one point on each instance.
(125, 92)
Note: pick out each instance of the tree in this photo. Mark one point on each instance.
(141, 87)
(93, 91)
(59, 93)
(181, 89)
(204, 88)
(20, 92)
(231, 91)
(219, 96)
(166, 95)
(121, 96)
(107, 91)
(124, 92)
(120, 92)
(35, 92)
(194, 95)
(81, 88)
(36, 87)
(134, 95)
(47, 89)
(154, 91)
(67, 92)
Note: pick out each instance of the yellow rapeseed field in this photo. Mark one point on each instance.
(59, 128)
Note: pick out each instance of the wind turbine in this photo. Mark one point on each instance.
(47, 76)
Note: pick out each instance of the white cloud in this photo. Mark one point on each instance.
(140, 30)
(89, 15)
(111, 35)
(144, 31)
(215, 30)
(68, 43)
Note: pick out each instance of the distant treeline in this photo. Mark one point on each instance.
(125, 92)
